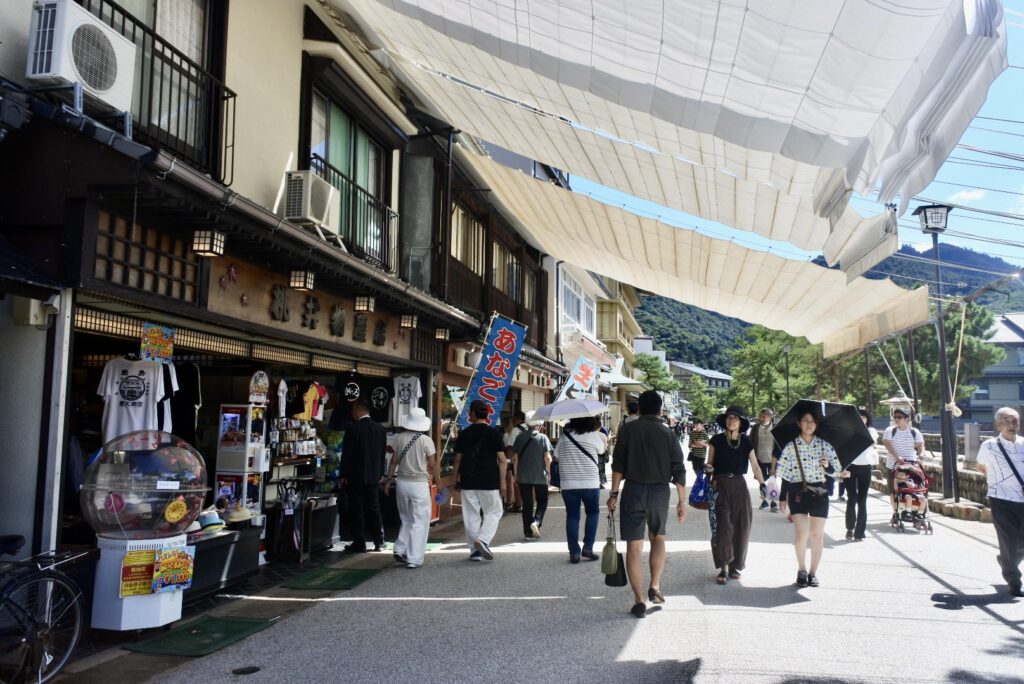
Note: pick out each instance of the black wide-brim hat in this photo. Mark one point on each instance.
(734, 411)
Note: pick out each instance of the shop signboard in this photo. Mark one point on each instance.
(157, 343)
(496, 368)
(137, 573)
(172, 568)
(580, 384)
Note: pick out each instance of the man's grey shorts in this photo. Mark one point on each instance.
(642, 504)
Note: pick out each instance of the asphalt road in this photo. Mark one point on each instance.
(897, 607)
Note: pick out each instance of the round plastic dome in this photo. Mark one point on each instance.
(144, 485)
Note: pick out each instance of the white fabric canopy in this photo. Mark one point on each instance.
(798, 297)
(760, 114)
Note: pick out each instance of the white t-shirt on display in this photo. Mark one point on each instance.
(407, 397)
(1002, 483)
(282, 397)
(131, 391)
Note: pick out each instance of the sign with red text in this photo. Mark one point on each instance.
(581, 382)
(496, 368)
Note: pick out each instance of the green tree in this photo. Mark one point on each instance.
(655, 375)
(703, 403)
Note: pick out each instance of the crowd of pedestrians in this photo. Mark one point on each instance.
(647, 461)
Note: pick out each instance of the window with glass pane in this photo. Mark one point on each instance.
(530, 291)
(505, 273)
(589, 321)
(468, 240)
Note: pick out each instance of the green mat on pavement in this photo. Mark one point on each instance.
(200, 637)
(330, 578)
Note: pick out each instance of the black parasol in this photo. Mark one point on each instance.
(838, 424)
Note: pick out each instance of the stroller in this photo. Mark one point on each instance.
(911, 493)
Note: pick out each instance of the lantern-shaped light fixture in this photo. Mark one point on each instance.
(301, 281)
(208, 243)
(441, 334)
(365, 303)
(408, 321)
(933, 217)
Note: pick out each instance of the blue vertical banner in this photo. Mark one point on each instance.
(496, 368)
(580, 384)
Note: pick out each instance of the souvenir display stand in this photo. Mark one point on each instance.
(139, 496)
(242, 457)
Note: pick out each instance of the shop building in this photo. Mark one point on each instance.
(276, 203)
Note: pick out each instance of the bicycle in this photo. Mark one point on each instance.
(41, 614)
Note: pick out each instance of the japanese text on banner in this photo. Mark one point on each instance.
(496, 368)
(580, 384)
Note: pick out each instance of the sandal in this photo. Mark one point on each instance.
(655, 595)
(722, 577)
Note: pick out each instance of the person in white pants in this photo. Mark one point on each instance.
(480, 475)
(414, 462)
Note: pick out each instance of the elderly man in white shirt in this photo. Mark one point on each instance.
(1001, 459)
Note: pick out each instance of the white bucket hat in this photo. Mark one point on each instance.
(530, 420)
(417, 420)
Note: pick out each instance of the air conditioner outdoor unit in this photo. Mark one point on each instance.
(310, 200)
(68, 44)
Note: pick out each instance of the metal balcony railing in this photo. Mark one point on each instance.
(369, 228)
(177, 105)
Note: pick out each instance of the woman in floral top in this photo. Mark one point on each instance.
(819, 461)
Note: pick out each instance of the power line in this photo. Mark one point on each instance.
(947, 264)
(964, 207)
(994, 153)
(996, 130)
(993, 118)
(973, 187)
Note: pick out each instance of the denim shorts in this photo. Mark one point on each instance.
(643, 505)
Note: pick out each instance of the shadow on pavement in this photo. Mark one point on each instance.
(820, 680)
(1010, 645)
(958, 601)
(736, 595)
(676, 671)
(974, 678)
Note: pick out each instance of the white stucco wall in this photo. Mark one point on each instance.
(15, 16)
(22, 362)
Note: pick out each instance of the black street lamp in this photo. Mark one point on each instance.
(785, 351)
(933, 220)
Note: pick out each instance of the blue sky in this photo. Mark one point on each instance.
(956, 182)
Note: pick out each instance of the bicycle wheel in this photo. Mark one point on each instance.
(40, 624)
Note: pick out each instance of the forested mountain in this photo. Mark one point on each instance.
(705, 338)
(689, 333)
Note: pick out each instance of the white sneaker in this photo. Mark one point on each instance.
(535, 528)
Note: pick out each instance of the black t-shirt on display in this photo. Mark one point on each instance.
(730, 459)
(186, 401)
(479, 445)
(352, 386)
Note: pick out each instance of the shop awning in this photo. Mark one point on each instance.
(617, 379)
(799, 297)
(763, 114)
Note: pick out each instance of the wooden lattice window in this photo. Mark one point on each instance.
(145, 259)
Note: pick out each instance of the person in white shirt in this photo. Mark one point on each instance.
(859, 484)
(1001, 460)
(904, 444)
(412, 468)
(513, 497)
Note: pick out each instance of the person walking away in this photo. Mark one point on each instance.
(903, 444)
(480, 475)
(531, 458)
(632, 411)
(1001, 460)
(805, 464)
(859, 484)
(602, 459)
(414, 466)
(647, 457)
(698, 445)
(576, 453)
(513, 501)
(730, 453)
(362, 468)
(766, 450)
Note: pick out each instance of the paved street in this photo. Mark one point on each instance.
(899, 607)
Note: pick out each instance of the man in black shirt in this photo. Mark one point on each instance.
(480, 468)
(362, 471)
(648, 456)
